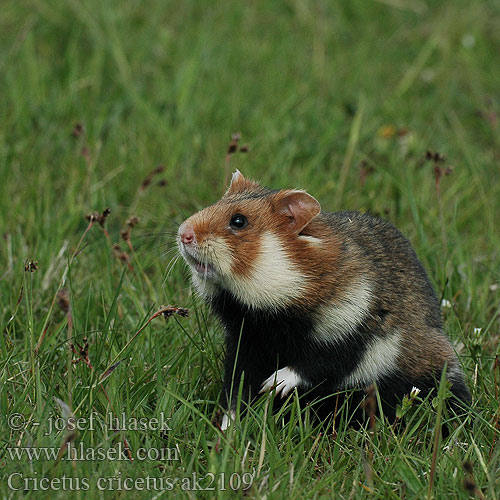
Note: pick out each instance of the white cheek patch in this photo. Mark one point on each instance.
(380, 359)
(219, 255)
(274, 281)
(215, 252)
(284, 380)
(339, 320)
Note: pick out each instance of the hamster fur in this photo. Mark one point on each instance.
(317, 301)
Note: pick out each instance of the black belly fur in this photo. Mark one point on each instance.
(258, 344)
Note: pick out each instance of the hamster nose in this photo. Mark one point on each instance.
(187, 235)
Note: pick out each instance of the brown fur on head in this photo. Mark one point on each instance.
(275, 260)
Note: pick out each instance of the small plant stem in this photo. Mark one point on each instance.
(69, 361)
(437, 432)
(160, 312)
(351, 146)
(441, 220)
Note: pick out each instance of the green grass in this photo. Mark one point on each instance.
(317, 90)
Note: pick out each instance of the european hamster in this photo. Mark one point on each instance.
(317, 301)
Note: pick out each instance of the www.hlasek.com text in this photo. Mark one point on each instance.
(78, 452)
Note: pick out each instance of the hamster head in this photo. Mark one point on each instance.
(265, 247)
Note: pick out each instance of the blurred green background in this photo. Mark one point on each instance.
(340, 98)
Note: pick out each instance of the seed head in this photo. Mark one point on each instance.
(30, 266)
(63, 300)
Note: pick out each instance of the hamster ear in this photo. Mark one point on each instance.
(300, 207)
(237, 179)
(239, 183)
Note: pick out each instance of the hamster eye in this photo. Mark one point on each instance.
(238, 221)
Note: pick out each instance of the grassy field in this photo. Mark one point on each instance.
(343, 99)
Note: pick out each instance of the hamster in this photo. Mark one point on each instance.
(315, 301)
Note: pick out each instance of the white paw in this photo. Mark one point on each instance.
(227, 419)
(284, 380)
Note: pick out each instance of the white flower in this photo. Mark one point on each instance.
(477, 332)
(445, 303)
(415, 391)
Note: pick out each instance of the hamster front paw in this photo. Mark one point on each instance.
(283, 380)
